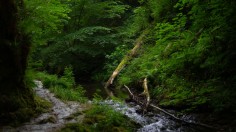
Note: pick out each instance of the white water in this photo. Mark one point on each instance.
(150, 122)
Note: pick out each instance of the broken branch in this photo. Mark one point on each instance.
(171, 115)
(145, 87)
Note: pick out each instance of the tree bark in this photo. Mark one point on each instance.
(146, 92)
(123, 62)
(16, 100)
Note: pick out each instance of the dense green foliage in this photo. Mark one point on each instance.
(188, 56)
(63, 87)
(43, 20)
(89, 32)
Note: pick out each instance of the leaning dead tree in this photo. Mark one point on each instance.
(124, 61)
(131, 55)
(147, 103)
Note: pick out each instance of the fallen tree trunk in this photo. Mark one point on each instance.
(124, 61)
(136, 99)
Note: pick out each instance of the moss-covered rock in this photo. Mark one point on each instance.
(102, 118)
(75, 127)
(50, 119)
(42, 105)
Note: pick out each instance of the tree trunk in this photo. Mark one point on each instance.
(16, 100)
(124, 61)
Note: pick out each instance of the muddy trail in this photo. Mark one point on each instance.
(53, 120)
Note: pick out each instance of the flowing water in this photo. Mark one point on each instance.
(58, 115)
(153, 122)
(150, 122)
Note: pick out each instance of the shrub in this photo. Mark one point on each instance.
(76, 94)
(64, 87)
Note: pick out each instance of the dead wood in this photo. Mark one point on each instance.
(145, 87)
(136, 99)
(124, 61)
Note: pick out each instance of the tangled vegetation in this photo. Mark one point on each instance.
(63, 87)
(187, 56)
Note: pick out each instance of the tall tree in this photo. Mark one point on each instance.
(16, 100)
(89, 35)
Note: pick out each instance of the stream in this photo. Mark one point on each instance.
(57, 117)
(61, 111)
(154, 122)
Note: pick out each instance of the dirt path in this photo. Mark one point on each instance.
(53, 120)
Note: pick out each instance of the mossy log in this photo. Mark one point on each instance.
(124, 61)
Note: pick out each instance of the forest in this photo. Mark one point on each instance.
(180, 53)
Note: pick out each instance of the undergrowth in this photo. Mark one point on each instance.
(187, 56)
(63, 87)
(75, 94)
(42, 105)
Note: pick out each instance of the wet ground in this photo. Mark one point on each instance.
(61, 114)
(53, 120)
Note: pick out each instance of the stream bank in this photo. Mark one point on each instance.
(63, 113)
(58, 116)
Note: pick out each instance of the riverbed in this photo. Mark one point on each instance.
(152, 121)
